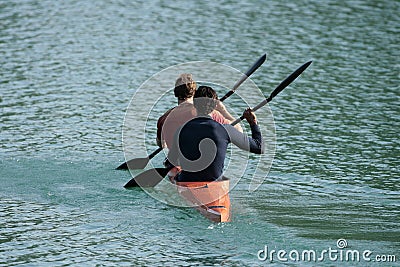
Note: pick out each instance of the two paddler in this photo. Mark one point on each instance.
(184, 90)
(199, 145)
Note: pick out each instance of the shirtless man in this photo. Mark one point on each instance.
(185, 88)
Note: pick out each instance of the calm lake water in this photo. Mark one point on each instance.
(70, 68)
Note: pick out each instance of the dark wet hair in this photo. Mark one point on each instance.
(185, 86)
(205, 100)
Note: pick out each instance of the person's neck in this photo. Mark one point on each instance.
(187, 100)
(203, 114)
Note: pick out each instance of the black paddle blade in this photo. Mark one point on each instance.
(149, 178)
(137, 164)
(256, 65)
(250, 71)
(134, 164)
(289, 80)
(278, 89)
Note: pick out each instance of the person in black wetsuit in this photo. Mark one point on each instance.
(200, 145)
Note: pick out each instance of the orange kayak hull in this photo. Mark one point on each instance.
(211, 199)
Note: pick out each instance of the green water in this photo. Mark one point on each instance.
(69, 69)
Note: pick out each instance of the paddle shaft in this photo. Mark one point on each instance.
(278, 89)
(250, 71)
(163, 171)
(155, 152)
(138, 163)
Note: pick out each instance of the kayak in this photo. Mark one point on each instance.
(211, 199)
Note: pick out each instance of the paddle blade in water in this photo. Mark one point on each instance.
(134, 164)
(149, 178)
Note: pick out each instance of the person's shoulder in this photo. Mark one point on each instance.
(218, 117)
(185, 108)
(163, 117)
(185, 105)
(166, 113)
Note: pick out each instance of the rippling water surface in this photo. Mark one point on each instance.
(69, 69)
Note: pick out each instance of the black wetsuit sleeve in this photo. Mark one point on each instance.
(254, 144)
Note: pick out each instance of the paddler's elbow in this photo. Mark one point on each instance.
(261, 150)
